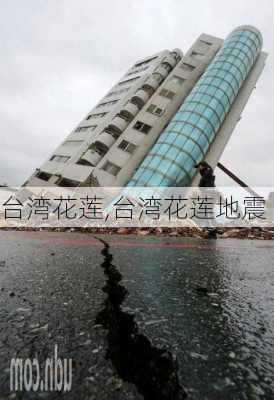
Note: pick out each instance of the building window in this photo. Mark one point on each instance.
(63, 182)
(112, 130)
(73, 143)
(177, 79)
(136, 70)
(153, 109)
(115, 92)
(99, 115)
(167, 93)
(157, 76)
(136, 102)
(96, 148)
(187, 67)
(197, 55)
(84, 162)
(111, 168)
(85, 128)
(128, 81)
(107, 103)
(61, 159)
(176, 55)
(43, 175)
(145, 62)
(125, 116)
(127, 146)
(166, 66)
(205, 42)
(147, 88)
(140, 126)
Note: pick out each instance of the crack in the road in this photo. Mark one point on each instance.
(154, 371)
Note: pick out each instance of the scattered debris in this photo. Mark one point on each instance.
(248, 233)
(184, 231)
(21, 309)
(143, 232)
(158, 321)
(198, 355)
(90, 378)
(38, 327)
(86, 343)
(95, 351)
(202, 289)
(116, 383)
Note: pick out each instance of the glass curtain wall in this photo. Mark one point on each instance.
(188, 136)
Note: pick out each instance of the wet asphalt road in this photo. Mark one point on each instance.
(222, 334)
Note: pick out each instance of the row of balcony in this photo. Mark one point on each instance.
(111, 133)
(120, 122)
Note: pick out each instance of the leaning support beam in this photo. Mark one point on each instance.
(237, 180)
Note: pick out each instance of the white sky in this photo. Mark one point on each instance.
(60, 57)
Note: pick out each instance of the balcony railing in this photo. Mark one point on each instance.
(140, 97)
(106, 139)
(152, 83)
(91, 157)
(129, 110)
(119, 124)
(161, 70)
(171, 60)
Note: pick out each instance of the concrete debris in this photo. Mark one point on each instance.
(38, 328)
(158, 321)
(144, 232)
(249, 233)
(202, 289)
(198, 355)
(184, 231)
(21, 309)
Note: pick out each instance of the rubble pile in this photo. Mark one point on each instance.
(163, 231)
(249, 233)
(189, 231)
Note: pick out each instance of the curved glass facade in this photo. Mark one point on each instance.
(188, 136)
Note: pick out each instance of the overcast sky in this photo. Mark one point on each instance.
(58, 58)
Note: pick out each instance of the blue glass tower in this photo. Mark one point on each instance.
(193, 128)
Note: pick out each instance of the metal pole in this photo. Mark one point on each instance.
(237, 180)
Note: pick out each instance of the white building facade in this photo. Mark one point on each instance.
(110, 143)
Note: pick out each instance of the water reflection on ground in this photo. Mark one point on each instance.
(212, 304)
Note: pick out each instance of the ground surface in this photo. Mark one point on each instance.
(210, 303)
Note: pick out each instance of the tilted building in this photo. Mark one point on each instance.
(168, 112)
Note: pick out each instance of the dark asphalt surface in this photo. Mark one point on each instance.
(222, 335)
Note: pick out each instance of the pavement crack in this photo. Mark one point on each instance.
(152, 370)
